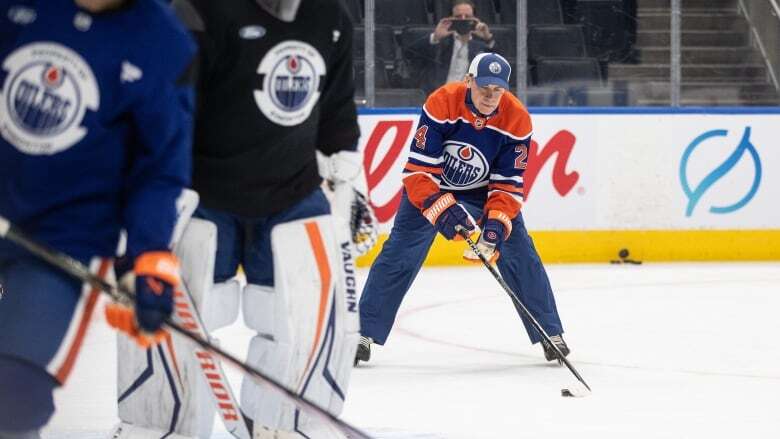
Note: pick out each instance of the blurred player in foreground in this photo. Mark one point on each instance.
(96, 133)
(466, 161)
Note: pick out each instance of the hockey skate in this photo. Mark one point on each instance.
(364, 350)
(549, 352)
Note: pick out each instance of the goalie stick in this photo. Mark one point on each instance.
(574, 390)
(80, 271)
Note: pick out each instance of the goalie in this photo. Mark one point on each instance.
(274, 90)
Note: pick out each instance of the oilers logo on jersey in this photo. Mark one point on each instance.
(291, 74)
(464, 166)
(47, 90)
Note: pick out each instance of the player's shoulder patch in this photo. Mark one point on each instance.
(444, 103)
(513, 119)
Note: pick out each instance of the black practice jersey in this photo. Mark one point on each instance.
(269, 94)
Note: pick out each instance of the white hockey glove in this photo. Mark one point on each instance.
(344, 174)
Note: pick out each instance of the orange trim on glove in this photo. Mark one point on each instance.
(438, 207)
(122, 318)
(505, 220)
(160, 265)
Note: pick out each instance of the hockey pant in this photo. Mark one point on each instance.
(402, 255)
(300, 299)
(44, 318)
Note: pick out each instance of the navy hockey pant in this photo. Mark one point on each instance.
(44, 315)
(405, 250)
(247, 241)
(25, 396)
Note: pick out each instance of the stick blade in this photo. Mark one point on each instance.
(576, 390)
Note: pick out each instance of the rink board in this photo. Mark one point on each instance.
(666, 184)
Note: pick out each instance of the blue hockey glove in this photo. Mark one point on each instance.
(447, 215)
(495, 231)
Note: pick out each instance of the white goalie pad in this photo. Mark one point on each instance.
(162, 389)
(307, 327)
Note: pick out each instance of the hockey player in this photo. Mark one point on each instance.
(275, 89)
(95, 136)
(466, 161)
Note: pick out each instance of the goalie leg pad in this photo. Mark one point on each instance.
(162, 389)
(221, 305)
(265, 311)
(307, 333)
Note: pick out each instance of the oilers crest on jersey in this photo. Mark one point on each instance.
(47, 90)
(458, 150)
(292, 72)
(464, 166)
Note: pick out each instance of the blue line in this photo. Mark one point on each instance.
(325, 370)
(145, 375)
(297, 429)
(396, 110)
(176, 401)
(413, 111)
(329, 341)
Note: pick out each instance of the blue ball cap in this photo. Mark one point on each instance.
(490, 69)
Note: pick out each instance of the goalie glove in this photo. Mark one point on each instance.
(153, 279)
(495, 231)
(344, 174)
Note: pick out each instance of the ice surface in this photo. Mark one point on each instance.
(670, 350)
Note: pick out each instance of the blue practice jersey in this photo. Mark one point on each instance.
(95, 123)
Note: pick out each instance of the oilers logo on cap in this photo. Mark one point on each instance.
(292, 72)
(464, 166)
(47, 91)
(490, 69)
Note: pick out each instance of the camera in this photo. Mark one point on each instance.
(463, 26)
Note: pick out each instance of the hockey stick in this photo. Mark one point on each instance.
(564, 392)
(80, 271)
(211, 368)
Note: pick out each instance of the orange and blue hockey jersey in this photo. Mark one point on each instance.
(479, 159)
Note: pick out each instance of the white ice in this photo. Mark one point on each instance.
(671, 351)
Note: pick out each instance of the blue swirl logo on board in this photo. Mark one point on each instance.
(694, 194)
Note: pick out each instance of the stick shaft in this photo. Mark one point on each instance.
(81, 272)
(521, 306)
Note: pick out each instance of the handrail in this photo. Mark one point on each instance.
(776, 7)
(773, 76)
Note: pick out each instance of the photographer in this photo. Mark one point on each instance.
(445, 56)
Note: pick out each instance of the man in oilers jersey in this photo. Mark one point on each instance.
(95, 136)
(466, 162)
(275, 90)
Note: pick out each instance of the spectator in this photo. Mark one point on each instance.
(444, 56)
